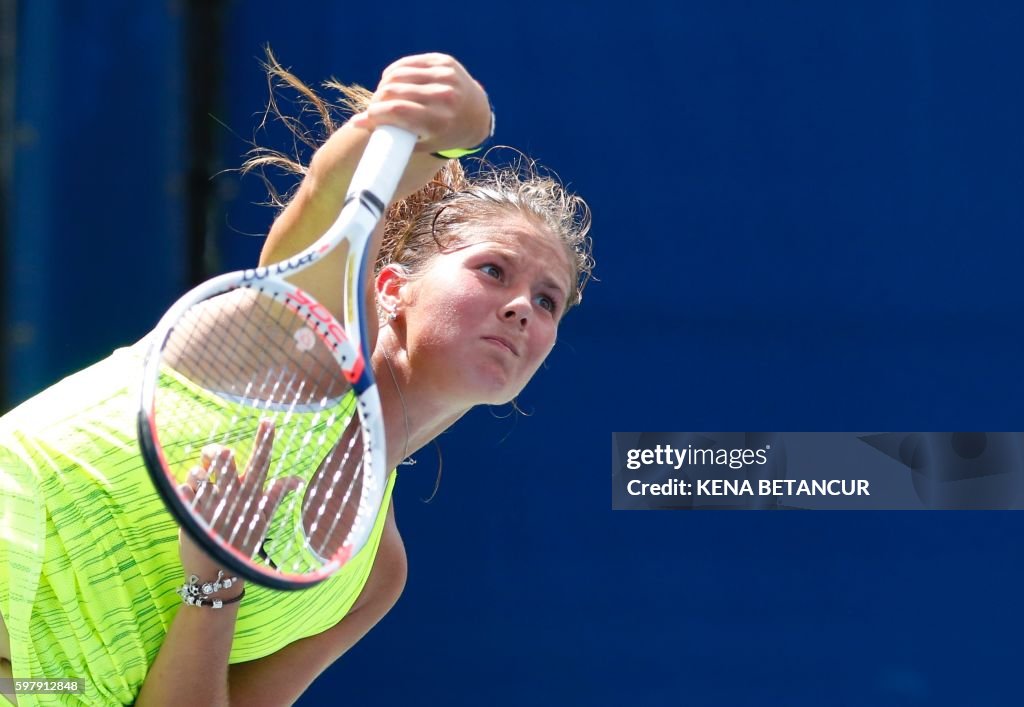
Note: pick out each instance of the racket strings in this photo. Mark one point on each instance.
(350, 467)
(265, 343)
(346, 474)
(246, 360)
(246, 500)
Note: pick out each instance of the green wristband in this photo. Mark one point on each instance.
(457, 152)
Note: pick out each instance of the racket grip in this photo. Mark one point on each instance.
(383, 163)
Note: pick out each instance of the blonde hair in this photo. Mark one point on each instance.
(426, 223)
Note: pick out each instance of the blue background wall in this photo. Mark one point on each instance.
(808, 216)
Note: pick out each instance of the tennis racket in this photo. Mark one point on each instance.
(260, 421)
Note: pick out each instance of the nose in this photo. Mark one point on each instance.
(517, 310)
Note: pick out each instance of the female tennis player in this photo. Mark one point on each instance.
(474, 275)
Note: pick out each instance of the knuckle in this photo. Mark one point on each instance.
(447, 96)
(401, 109)
(445, 73)
(395, 65)
(385, 92)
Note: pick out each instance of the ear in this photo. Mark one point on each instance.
(388, 286)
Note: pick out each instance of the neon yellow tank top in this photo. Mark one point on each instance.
(89, 554)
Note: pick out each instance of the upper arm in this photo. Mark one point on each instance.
(317, 204)
(282, 677)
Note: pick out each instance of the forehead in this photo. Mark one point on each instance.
(520, 237)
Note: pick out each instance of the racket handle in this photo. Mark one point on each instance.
(383, 163)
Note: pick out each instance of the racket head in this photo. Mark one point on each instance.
(261, 427)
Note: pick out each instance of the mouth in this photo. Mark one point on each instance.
(503, 343)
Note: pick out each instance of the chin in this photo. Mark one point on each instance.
(489, 388)
(503, 399)
(498, 396)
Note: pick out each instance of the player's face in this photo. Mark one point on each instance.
(483, 315)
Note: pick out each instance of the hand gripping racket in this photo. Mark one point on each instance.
(260, 421)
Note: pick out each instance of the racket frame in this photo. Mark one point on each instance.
(373, 185)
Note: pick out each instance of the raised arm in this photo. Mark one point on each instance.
(431, 95)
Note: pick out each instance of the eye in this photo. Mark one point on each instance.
(492, 270)
(547, 303)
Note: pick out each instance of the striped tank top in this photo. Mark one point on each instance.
(89, 554)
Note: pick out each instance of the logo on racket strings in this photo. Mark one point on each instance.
(305, 339)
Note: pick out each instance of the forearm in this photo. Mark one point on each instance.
(322, 193)
(431, 96)
(192, 666)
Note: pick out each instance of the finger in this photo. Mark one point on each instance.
(438, 94)
(277, 490)
(259, 462)
(360, 120)
(223, 500)
(420, 75)
(220, 462)
(227, 471)
(214, 460)
(428, 59)
(196, 475)
(436, 91)
(208, 454)
(186, 494)
(410, 115)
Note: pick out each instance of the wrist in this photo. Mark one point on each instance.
(196, 561)
(215, 592)
(456, 153)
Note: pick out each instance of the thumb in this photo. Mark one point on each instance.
(361, 120)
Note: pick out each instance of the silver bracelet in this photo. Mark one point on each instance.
(195, 594)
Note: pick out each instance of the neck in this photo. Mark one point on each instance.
(412, 419)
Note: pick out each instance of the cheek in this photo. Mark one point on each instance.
(546, 343)
(446, 310)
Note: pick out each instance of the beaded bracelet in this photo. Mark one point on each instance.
(213, 603)
(195, 594)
